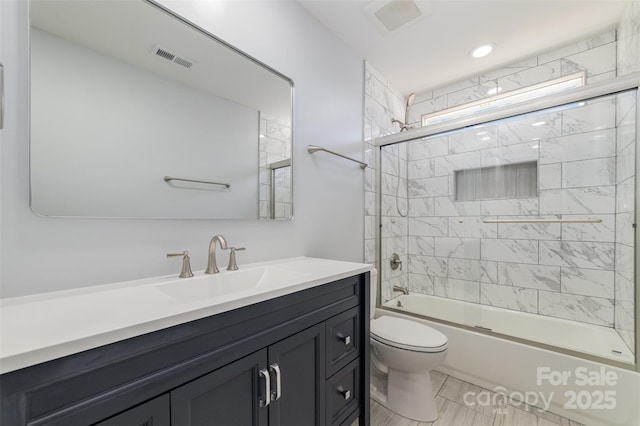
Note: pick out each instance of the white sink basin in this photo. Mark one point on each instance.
(39, 328)
(227, 283)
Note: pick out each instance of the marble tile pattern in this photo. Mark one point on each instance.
(585, 170)
(599, 57)
(274, 145)
(629, 40)
(486, 408)
(628, 55)
(381, 105)
(565, 270)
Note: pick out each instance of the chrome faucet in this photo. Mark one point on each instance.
(404, 290)
(212, 266)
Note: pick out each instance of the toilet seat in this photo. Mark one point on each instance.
(408, 335)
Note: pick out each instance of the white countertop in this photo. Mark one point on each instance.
(39, 328)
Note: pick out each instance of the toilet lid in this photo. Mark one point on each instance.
(407, 334)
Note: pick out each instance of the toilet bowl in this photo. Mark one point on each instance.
(406, 351)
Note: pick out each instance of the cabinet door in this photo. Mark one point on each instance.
(301, 362)
(151, 413)
(228, 396)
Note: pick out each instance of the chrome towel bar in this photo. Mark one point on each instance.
(313, 148)
(169, 179)
(542, 221)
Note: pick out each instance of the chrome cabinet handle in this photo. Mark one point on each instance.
(346, 394)
(278, 393)
(267, 388)
(345, 339)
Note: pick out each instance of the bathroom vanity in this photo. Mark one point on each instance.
(291, 348)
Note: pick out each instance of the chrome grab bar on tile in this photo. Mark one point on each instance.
(169, 179)
(312, 148)
(542, 221)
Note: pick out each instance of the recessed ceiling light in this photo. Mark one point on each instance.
(482, 51)
(539, 123)
(494, 90)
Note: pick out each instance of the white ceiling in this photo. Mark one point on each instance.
(433, 51)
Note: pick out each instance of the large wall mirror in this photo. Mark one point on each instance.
(136, 113)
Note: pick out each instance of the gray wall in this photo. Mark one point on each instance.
(46, 254)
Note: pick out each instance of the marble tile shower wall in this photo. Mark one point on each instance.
(625, 217)
(628, 61)
(274, 146)
(381, 104)
(559, 270)
(629, 40)
(596, 56)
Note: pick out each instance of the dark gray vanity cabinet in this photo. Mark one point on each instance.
(227, 396)
(235, 394)
(296, 360)
(152, 413)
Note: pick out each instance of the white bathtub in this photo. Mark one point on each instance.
(508, 366)
(572, 335)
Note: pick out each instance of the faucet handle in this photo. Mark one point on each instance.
(186, 264)
(233, 266)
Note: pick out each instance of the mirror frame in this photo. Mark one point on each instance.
(232, 48)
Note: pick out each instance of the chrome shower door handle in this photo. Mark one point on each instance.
(267, 388)
(278, 392)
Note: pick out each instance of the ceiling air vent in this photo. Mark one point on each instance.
(166, 54)
(394, 15)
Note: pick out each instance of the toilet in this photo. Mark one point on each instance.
(405, 351)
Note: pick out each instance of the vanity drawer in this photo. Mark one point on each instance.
(343, 339)
(343, 393)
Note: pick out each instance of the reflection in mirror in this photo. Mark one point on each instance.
(275, 169)
(114, 112)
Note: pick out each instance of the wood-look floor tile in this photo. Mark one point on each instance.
(512, 416)
(437, 380)
(471, 396)
(454, 414)
(553, 418)
(550, 418)
(453, 411)
(381, 416)
(545, 422)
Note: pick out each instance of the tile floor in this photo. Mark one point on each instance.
(453, 411)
